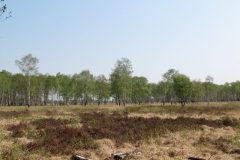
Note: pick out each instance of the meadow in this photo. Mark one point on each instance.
(147, 131)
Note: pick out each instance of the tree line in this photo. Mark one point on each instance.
(33, 88)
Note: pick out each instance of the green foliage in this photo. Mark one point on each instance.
(169, 75)
(5, 86)
(235, 90)
(120, 79)
(38, 88)
(209, 86)
(197, 91)
(102, 88)
(165, 86)
(77, 87)
(140, 89)
(28, 66)
(154, 94)
(18, 89)
(182, 87)
(84, 88)
(87, 84)
(65, 86)
(51, 87)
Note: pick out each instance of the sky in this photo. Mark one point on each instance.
(197, 38)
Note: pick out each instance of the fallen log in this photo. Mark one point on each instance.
(193, 158)
(120, 156)
(76, 157)
(123, 156)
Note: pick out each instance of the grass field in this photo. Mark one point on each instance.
(152, 131)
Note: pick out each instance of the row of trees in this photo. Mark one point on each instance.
(32, 88)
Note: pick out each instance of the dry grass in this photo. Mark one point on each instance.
(153, 131)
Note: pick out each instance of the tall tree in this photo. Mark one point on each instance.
(3, 87)
(227, 91)
(140, 89)
(208, 87)
(197, 91)
(87, 85)
(28, 66)
(120, 80)
(154, 95)
(37, 89)
(166, 84)
(77, 89)
(183, 87)
(18, 89)
(51, 86)
(102, 88)
(65, 87)
(235, 89)
(41, 89)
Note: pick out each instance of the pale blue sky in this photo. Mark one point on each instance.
(198, 38)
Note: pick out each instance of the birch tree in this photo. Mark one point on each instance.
(51, 86)
(209, 87)
(28, 66)
(102, 88)
(140, 89)
(197, 91)
(120, 80)
(166, 84)
(87, 85)
(183, 87)
(65, 88)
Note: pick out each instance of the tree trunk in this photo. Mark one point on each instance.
(2, 99)
(28, 91)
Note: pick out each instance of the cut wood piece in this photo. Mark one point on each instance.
(76, 157)
(120, 156)
(192, 158)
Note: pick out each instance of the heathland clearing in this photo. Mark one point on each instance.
(151, 131)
